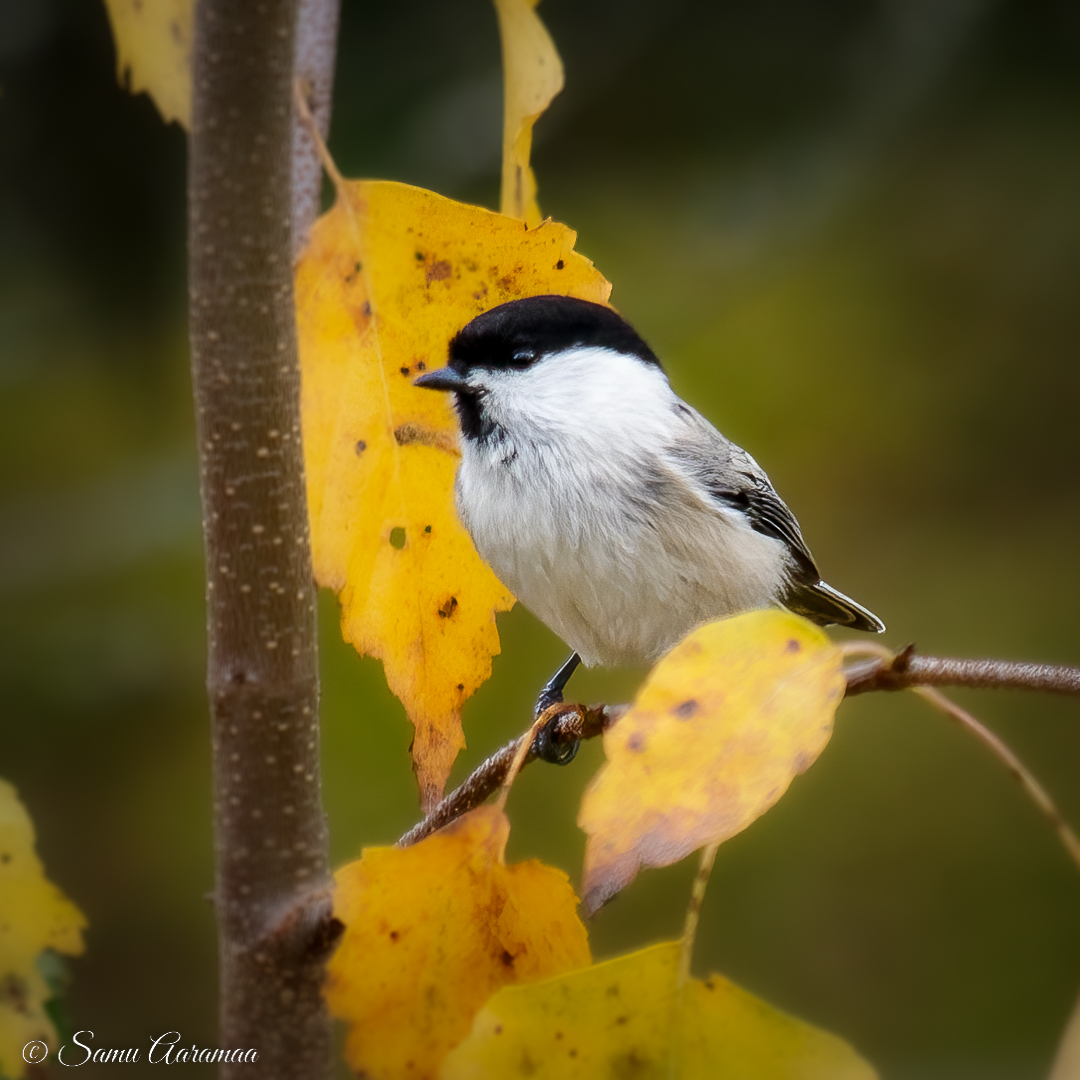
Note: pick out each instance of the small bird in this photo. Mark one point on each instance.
(613, 510)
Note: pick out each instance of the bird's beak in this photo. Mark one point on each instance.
(443, 379)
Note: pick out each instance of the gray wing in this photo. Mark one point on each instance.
(734, 480)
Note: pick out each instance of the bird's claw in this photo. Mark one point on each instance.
(548, 696)
(546, 748)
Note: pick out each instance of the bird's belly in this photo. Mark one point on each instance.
(619, 589)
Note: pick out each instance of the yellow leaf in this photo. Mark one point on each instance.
(532, 76)
(627, 1017)
(716, 734)
(391, 273)
(36, 916)
(153, 52)
(431, 931)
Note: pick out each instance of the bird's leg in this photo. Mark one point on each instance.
(552, 692)
(543, 747)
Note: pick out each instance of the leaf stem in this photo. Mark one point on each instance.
(312, 128)
(693, 910)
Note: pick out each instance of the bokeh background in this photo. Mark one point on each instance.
(852, 229)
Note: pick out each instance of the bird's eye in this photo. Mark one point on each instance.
(522, 357)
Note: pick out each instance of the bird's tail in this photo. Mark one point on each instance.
(826, 606)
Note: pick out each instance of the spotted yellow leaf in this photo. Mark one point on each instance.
(713, 739)
(629, 1018)
(431, 932)
(391, 273)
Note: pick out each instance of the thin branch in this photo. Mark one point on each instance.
(908, 669)
(569, 724)
(314, 57)
(883, 671)
(525, 749)
(1016, 767)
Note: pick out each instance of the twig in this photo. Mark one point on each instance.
(883, 671)
(524, 749)
(908, 669)
(313, 68)
(1016, 767)
(572, 723)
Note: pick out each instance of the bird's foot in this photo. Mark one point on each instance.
(544, 747)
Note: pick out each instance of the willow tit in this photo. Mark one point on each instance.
(613, 510)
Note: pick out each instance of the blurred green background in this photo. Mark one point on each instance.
(852, 229)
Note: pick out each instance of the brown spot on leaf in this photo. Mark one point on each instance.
(686, 709)
(394, 935)
(437, 271)
(448, 608)
(559, 265)
(507, 958)
(636, 742)
(792, 646)
(360, 447)
(404, 371)
(416, 434)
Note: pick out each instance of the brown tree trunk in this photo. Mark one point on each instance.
(272, 878)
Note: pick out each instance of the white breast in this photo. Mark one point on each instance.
(582, 513)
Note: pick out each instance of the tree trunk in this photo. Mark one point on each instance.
(272, 878)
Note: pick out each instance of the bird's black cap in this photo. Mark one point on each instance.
(517, 334)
